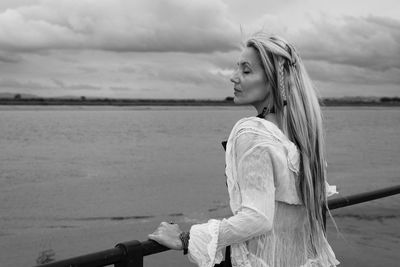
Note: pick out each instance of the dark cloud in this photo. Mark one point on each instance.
(35, 85)
(10, 57)
(175, 46)
(24, 85)
(83, 87)
(126, 26)
(367, 42)
(346, 74)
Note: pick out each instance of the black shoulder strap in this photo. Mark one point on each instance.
(227, 262)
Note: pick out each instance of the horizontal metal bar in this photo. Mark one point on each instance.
(106, 257)
(101, 258)
(341, 202)
(152, 247)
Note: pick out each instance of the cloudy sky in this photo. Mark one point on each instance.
(187, 49)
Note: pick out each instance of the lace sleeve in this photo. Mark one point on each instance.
(203, 244)
(257, 190)
(255, 180)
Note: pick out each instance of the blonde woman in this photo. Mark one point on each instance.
(275, 168)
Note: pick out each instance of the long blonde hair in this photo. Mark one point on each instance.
(299, 114)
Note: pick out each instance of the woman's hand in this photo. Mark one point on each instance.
(167, 234)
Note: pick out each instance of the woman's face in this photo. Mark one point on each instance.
(250, 83)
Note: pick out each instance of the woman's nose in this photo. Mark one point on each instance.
(234, 77)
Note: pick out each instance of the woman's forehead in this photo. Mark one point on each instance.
(249, 56)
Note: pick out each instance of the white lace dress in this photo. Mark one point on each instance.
(269, 225)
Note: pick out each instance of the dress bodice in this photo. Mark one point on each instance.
(269, 226)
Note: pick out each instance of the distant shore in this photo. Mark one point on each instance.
(83, 101)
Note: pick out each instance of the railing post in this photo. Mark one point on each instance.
(133, 254)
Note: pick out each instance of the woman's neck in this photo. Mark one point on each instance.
(271, 117)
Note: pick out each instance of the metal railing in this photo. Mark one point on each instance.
(131, 253)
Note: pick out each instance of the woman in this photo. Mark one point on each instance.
(275, 168)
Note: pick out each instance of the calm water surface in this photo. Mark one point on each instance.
(64, 167)
(55, 159)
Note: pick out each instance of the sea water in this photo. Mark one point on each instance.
(74, 168)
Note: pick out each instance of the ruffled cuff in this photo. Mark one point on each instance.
(203, 244)
(240, 255)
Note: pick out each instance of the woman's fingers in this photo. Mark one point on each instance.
(155, 233)
(168, 235)
(160, 239)
(164, 226)
(158, 233)
(154, 237)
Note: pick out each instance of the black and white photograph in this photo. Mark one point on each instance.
(209, 133)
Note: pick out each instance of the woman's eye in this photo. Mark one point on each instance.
(246, 71)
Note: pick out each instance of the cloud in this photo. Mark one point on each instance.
(55, 84)
(124, 25)
(81, 86)
(120, 88)
(10, 57)
(87, 70)
(343, 49)
(366, 42)
(181, 48)
(194, 76)
(348, 74)
(62, 85)
(49, 88)
(23, 85)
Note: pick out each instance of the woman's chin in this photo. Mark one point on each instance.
(238, 101)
